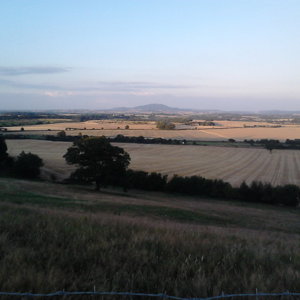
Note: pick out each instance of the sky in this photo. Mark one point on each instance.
(202, 54)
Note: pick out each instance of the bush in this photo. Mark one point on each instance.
(27, 165)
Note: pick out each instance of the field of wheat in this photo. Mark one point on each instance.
(233, 165)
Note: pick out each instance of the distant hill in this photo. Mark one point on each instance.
(148, 108)
(157, 108)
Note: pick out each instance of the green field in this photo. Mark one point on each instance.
(55, 237)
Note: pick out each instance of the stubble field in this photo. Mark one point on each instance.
(223, 130)
(233, 165)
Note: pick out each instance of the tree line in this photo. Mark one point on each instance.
(268, 144)
(100, 163)
(256, 192)
(117, 139)
(271, 144)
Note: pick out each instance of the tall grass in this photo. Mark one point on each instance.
(43, 253)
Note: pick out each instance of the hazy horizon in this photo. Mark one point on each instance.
(199, 54)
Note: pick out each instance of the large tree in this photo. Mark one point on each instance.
(97, 161)
(6, 162)
(3, 150)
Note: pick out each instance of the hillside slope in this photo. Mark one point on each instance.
(55, 237)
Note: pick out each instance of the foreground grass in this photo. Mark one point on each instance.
(182, 215)
(54, 243)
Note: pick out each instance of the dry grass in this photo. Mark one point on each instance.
(238, 216)
(79, 238)
(233, 165)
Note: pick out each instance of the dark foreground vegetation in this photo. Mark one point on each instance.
(25, 165)
(70, 238)
(256, 192)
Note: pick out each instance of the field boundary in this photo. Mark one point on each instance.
(163, 296)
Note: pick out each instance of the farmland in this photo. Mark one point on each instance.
(223, 130)
(233, 165)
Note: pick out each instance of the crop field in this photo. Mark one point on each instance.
(281, 133)
(233, 165)
(223, 130)
(92, 125)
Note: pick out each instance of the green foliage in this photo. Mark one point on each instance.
(27, 165)
(98, 161)
(165, 125)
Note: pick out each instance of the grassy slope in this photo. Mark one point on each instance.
(55, 237)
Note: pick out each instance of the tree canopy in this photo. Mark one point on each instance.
(27, 165)
(3, 149)
(98, 161)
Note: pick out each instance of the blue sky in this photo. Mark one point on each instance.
(210, 54)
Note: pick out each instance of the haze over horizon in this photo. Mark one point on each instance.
(201, 54)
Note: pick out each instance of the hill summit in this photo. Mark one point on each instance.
(154, 107)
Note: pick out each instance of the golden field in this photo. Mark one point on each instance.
(223, 131)
(233, 165)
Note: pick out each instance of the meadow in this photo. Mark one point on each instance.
(233, 165)
(55, 237)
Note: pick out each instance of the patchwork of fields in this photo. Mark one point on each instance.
(233, 165)
(223, 130)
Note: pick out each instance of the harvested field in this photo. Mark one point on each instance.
(281, 133)
(91, 125)
(233, 165)
(224, 131)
